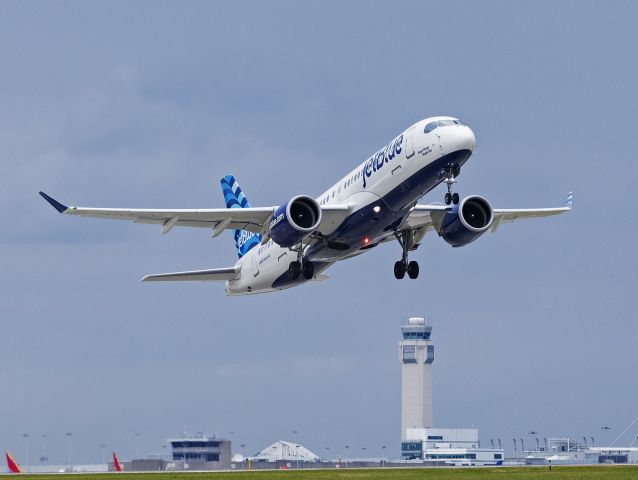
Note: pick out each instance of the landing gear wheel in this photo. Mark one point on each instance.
(308, 270)
(399, 269)
(293, 270)
(413, 269)
(448, 198)
(455, 198)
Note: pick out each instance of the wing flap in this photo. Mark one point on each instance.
(212, 275)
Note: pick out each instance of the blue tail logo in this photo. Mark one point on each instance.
(235, 198)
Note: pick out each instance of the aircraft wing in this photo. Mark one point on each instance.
(424, 218)
(218, 219)
(508, 215)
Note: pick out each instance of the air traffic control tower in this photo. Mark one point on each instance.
(416, 353)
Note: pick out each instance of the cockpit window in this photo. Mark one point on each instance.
(447, 123)
(430, 126)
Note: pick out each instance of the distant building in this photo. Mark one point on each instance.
(454, 446)
(285, 451)
(199, 452)
(564, 450)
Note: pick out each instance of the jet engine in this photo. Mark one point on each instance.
(295, 220)
(466, 221)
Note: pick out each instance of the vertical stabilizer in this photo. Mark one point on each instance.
(235, 198)
(12, 464)
(117, 466)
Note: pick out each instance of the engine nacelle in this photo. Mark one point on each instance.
(295, 220)
(466, 221)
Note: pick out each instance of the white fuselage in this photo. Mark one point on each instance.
(378, 192)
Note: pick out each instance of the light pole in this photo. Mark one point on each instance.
(242, 446)
(68, 448)
(102, 447)
(26, 446)
(295, 438)
(347, 447)
(44, 458)
(137, 444)
(327, 449)
(383, 458)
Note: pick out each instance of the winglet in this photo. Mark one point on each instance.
(570, 200)
(57, 205)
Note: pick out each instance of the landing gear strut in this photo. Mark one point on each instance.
(402, 266)
(300, 266)
(451, 172)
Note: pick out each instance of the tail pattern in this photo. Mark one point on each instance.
(235, 198)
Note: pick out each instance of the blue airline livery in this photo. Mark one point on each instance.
(289, 244)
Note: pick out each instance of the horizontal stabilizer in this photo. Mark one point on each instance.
(212, 275)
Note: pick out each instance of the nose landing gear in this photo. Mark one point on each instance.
(451, 172)
(402, 266)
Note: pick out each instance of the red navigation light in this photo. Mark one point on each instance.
(366, 240)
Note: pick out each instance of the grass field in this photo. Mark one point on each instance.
(611, 472)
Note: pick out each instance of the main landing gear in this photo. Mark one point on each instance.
(300, 266)
(451, 172)
(402, 266)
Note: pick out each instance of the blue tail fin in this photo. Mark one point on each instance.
(235, 198)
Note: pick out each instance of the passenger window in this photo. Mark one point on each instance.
(430, 126)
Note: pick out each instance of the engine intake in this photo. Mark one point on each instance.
(466, 221)
(295, 220)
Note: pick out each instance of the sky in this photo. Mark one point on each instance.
(149, 104)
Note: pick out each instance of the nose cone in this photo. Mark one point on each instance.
(464, 138)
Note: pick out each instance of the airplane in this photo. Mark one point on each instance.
(532, 433)
(605, 428)
(293, 243)
(12, 464)
(117, 466)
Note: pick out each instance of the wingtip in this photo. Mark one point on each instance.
(569, 202)
(54, 203)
